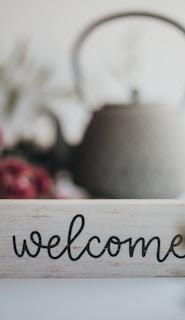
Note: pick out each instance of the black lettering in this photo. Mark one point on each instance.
(38, 243)
(116, 241)
(145, 246)
(176, 241)
(112, 246)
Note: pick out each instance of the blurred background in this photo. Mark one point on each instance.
(41, 114)
(120, 55)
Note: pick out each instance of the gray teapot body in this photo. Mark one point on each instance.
(133, 152)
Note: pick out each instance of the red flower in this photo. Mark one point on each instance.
(20, 180)
(43, 183)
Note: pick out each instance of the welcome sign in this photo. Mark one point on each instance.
(92, 238)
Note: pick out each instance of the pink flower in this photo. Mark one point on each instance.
(20, 180)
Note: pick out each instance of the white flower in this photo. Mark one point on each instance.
(25, 90)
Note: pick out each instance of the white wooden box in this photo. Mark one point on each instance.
(92, 238)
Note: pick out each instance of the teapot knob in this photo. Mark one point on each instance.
(135, 96)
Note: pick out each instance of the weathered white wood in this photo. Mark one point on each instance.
(112, 221)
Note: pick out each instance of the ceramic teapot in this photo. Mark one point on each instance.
(131, 151)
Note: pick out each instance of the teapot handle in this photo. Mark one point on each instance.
(78, 77)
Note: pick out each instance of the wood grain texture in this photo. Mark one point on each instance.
(96, 231)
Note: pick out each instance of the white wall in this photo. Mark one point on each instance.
(52, 25)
